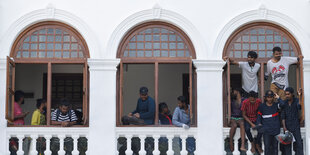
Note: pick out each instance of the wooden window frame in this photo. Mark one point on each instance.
(49, 62)
(262, 62)
(156, 61)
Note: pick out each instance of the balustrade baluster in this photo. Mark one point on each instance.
(86, 153)
(142, 140)
(33, 148)
(8, 144)
(128, 150)
(184, 151)
(20, 150)
(75, 145)
(48, 145)
(170, 150)
(156, 150)
(61, 146)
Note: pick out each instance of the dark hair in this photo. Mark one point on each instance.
(64, 102)
(182, 99)
(276, 49)
(39, 102)
(290, 89)
(18, 95)
(252, 54)
(253, 94)
(161, 106)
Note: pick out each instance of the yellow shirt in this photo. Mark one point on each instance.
(38, 118)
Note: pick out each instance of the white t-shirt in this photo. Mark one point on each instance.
(249, 76)
(279, 70)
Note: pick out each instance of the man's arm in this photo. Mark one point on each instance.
(231, 61)
(283, 120)
(246, 118)
(175, 117)
(23, 115)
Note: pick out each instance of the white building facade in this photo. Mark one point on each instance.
(103, 25)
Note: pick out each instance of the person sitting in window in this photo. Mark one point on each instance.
(38, 117)
(236, 119)
(181, 118)
(164, 115)
(64, 116)
(19, 115)
(249, 73)
(144, 114)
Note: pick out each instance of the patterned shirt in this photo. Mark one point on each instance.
(63, 118)
(251, 108)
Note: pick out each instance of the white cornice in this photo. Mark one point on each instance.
(306, 65)
(103, 64)
(209, 65)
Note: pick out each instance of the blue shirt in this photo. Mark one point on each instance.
(290, 114)
(146, 109)
(180, 117)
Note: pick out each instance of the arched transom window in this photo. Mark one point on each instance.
(50, 40)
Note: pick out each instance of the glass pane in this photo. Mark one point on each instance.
(179, 39)
(261, 31)
(50, 31)
(155, 30)
(58, 39)
(41, 54)
(164, 37)
(292, 54)
(269, 53)
(237, 46)
(245, 38)
(125, 53)
(140, 54)
(73, 54)
(140, 46)
(231, 54)
(148, 37)
(42, 46)
(244, 54)
(34, 38)
(156, 37)
(172, 38)
(253, 38)
(81, 55)
(66, 46)
(187, 54)
(237, 54)
(58, 46)
(74, 46)
(261, 38)
(156, 53)
(277, 38)
(33, 54)
(73, 39)
(269, 38)
(180, 53)
(261, 54)
(269, 32)
(245, 46)
(34, 46)
(18, 54)
(172, 54)
(132, 53)
(148, 45)
(58, 31)
(164, 53)
(27, 39)
(42, 31)
(50, 46)
(164, 45)
(261, 46)
(66, 38)
(50, 38)
(42, 38)
(132, 45)
(140, 38)
(66, 54)
(156, 46)
(284, 39)
(180, 46)
(148, 31)
(58, 54)
(285, 46)
(253, 46)
(286, 53)
(172, 45)
(253, 32)
(148, 53)
(25, 46)
(25, 54)
(164, 31)
(49, 54)
(269, 46)
(133, 39)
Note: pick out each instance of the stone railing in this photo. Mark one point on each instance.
(237, 137)
(155, 139)
(56, 139)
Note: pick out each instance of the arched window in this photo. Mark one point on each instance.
(159, 56)
(260, 37)
(48, 60)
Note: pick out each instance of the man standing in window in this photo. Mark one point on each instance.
(291, 121)
(278, 67)
(144, 112)
(249, 73)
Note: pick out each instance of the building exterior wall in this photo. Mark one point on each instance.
(103, 24)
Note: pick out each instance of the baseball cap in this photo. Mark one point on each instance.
(269, 93)
(143, 90)
(290, 89)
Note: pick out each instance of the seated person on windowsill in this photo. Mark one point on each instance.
(64, 116)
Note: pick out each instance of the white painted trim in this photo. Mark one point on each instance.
(262, 14)
(103, 64)
(49, 14)
(156, 14)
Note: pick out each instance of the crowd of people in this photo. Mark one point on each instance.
(280, 106)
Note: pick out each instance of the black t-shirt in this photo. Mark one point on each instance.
(268, 116)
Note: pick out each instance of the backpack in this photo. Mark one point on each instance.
(58, 113)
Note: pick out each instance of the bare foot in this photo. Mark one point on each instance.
(242, 148)
(260, 150)
(231, 146)
(253, 149)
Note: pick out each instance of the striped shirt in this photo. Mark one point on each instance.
(251, 109)
(63, 118)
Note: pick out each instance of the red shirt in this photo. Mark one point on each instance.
(251, 109)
